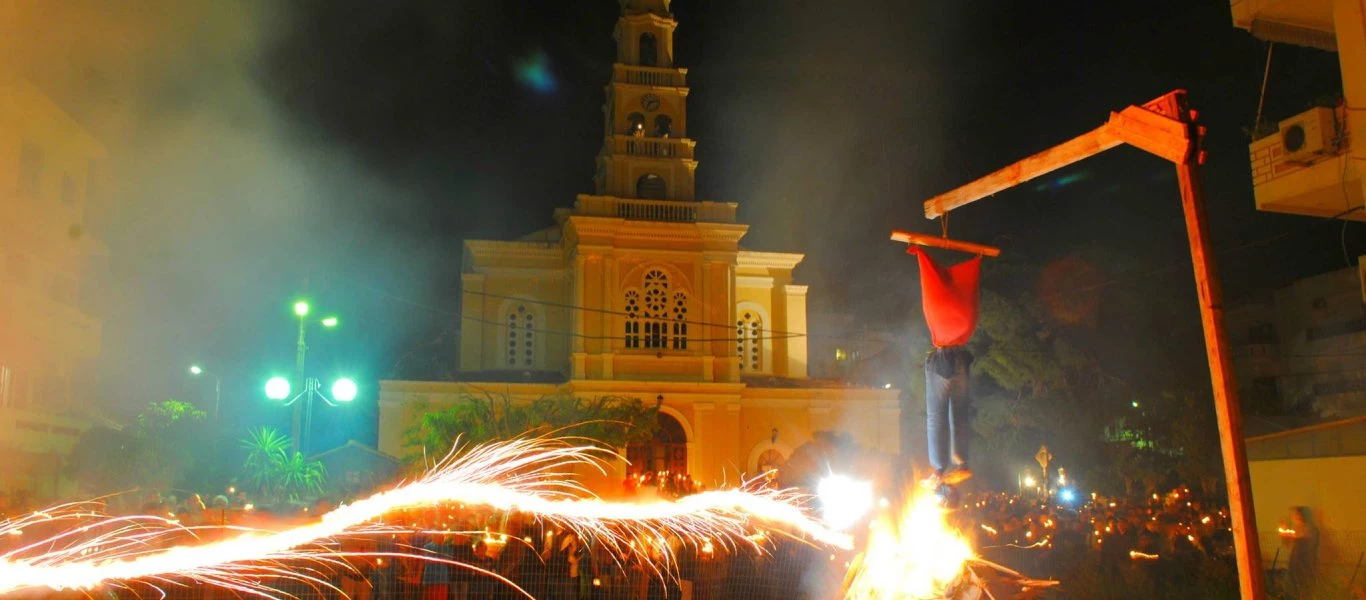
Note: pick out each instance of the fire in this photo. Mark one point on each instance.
(917, 557)
(520, 475)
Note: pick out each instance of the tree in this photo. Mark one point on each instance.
(158, 451)
(276, 473)
(607, 421)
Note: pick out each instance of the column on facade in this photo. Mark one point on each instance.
(473, 326)
(702, 456)
(722, 304)
(731, 442)
(578, 358)
(794, 300)
(611, 302)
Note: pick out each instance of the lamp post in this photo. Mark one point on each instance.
(278, 388)
(301, 310)
(196, 370)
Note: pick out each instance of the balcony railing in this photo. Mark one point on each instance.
(648, 147)
(655, 210)
(655, 76)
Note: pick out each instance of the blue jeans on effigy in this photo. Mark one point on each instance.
(948, 414)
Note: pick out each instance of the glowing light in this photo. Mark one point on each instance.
(522, 475)
(917, 557)
(989, 529)
(1285, 531)
(344, 390)
(1029, 481)
(1205, 520)
(886, 386)
(277, 388)
(844, 501)
(195, 370)
(1067, 495)
(330, 322)
(534, 72)
(1136, 555)
(1112, 505)
(301, 308)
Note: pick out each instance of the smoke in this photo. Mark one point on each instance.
(213, 207)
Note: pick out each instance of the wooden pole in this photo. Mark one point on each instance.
(1251, 582)
(1074, 150)
(922, 239)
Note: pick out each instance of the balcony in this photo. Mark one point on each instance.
(655, 210)
(651, 76)
(647, 147)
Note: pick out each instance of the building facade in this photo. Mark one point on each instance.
(49, 169)
(1302, 348)
(640, 290)
(1312, 163)
(1321, 467)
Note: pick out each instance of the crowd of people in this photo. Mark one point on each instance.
(456, 552)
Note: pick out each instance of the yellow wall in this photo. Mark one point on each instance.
(1334, 488)
(44, 249)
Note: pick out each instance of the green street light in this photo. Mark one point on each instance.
(330, 322)
(195, 370)
(1134, 404)
(301, 308)
(277, 388)
(344, 390)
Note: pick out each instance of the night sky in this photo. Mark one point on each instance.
(355, 144)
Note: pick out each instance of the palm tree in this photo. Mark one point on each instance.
(274, 472)
(295, 476)
(264, 448)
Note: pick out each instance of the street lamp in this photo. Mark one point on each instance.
(196, 370)
(343, 390)
(301, 310)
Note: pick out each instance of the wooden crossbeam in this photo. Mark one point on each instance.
(1052, 159)
(921, 239)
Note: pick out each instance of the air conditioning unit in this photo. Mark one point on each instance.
(1310, 136)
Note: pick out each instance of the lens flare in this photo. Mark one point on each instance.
(528, 476)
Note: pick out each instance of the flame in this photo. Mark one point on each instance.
(522, 475)
(917, 557)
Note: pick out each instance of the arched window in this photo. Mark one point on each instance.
(649, 50)
(635, 124)
(680, 324)
(650, 187)
(749, 341)
(632, 319)
(663, 125)
(519, 347)
(656, 309)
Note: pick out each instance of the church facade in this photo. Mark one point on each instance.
(639, 290)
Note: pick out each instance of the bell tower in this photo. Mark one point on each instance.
(646, 153)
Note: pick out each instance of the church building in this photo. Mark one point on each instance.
(640, 290)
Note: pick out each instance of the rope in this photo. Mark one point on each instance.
(1261, 101)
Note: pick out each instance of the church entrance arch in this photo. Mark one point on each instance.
(666, 452)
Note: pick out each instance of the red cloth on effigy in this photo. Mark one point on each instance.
(949, 296)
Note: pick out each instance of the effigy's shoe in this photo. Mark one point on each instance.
(957, 476)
